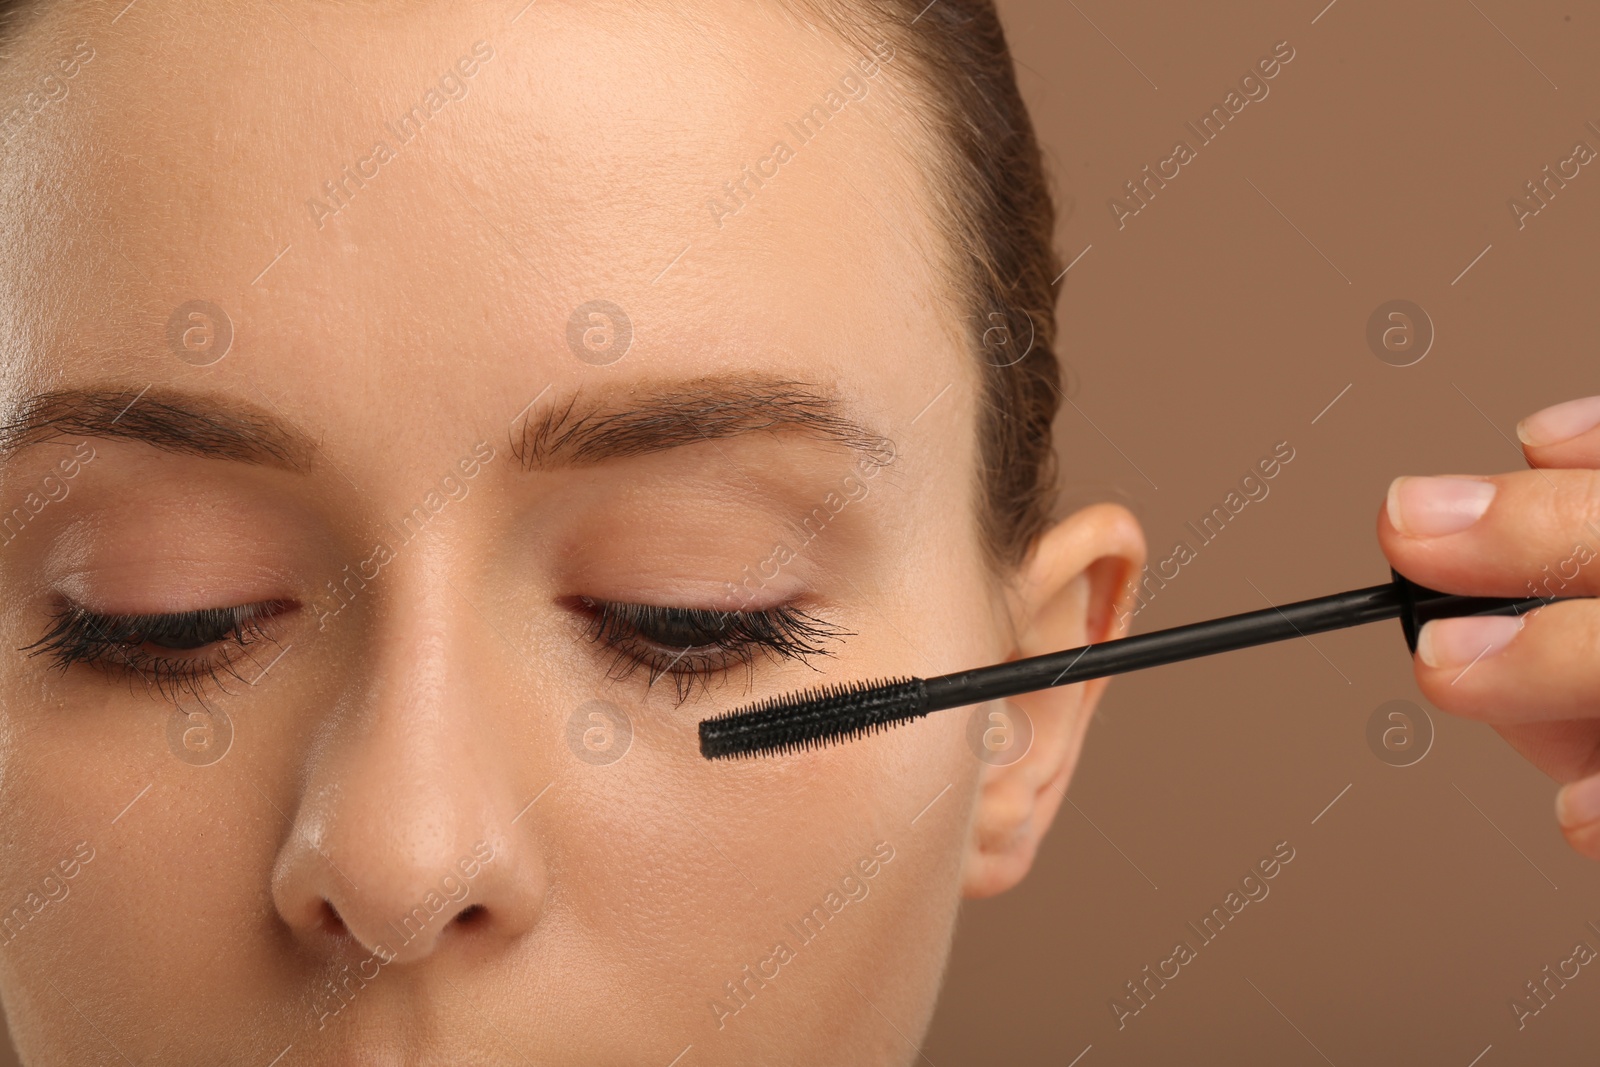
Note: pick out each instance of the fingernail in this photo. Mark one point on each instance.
(1431, 507)
(1578, 803)
(1560, 422)
(1466, 639)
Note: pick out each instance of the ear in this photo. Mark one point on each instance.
(1075, 588)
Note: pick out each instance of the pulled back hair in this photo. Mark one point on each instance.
(991, 189)
(994, 204)
(12, 13)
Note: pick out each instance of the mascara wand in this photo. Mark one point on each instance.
(828, 714)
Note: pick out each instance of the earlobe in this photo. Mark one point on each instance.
(1074, 589)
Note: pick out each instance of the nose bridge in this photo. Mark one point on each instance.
(403, 829)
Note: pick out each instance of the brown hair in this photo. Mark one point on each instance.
(997, 208)
(1001, 221)
(12, 13)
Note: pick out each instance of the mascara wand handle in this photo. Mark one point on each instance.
(1419, 604)
(1413, 604)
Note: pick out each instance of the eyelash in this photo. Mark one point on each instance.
(115, 643)
(690, 644)
(697, 644)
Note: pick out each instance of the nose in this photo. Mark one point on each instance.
(401, 836)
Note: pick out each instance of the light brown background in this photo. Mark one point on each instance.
(1201, 334)
(1207, 330)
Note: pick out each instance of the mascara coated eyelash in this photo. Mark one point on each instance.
(698, 643)
(116, 643)
(690, 644)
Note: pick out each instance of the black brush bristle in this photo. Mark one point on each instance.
(812, 718)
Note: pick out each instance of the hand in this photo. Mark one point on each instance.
(1535, 679)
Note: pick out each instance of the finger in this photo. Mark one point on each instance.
(1524, 534)
(1578, 812)
(1563, 435)
(1565, 749)
(1506, 669)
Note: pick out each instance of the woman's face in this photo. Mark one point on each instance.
(330, 302)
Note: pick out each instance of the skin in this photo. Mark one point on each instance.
(428, 719)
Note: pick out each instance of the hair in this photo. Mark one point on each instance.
(12, 16)
(994, 197)
(996, 209)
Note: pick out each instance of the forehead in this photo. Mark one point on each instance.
(442, 187)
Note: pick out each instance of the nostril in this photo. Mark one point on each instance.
(330, 920)
(331, 923)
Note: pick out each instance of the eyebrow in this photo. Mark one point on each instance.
(173, 421)
(581, 432)
(686, 413)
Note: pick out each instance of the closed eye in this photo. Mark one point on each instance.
(180, 653)
(172, 653)
(691, 644)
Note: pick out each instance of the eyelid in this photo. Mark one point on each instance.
(782, 632)
(84, 571)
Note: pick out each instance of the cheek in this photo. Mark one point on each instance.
(181, 857)
(684, 872)
(65, 772)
